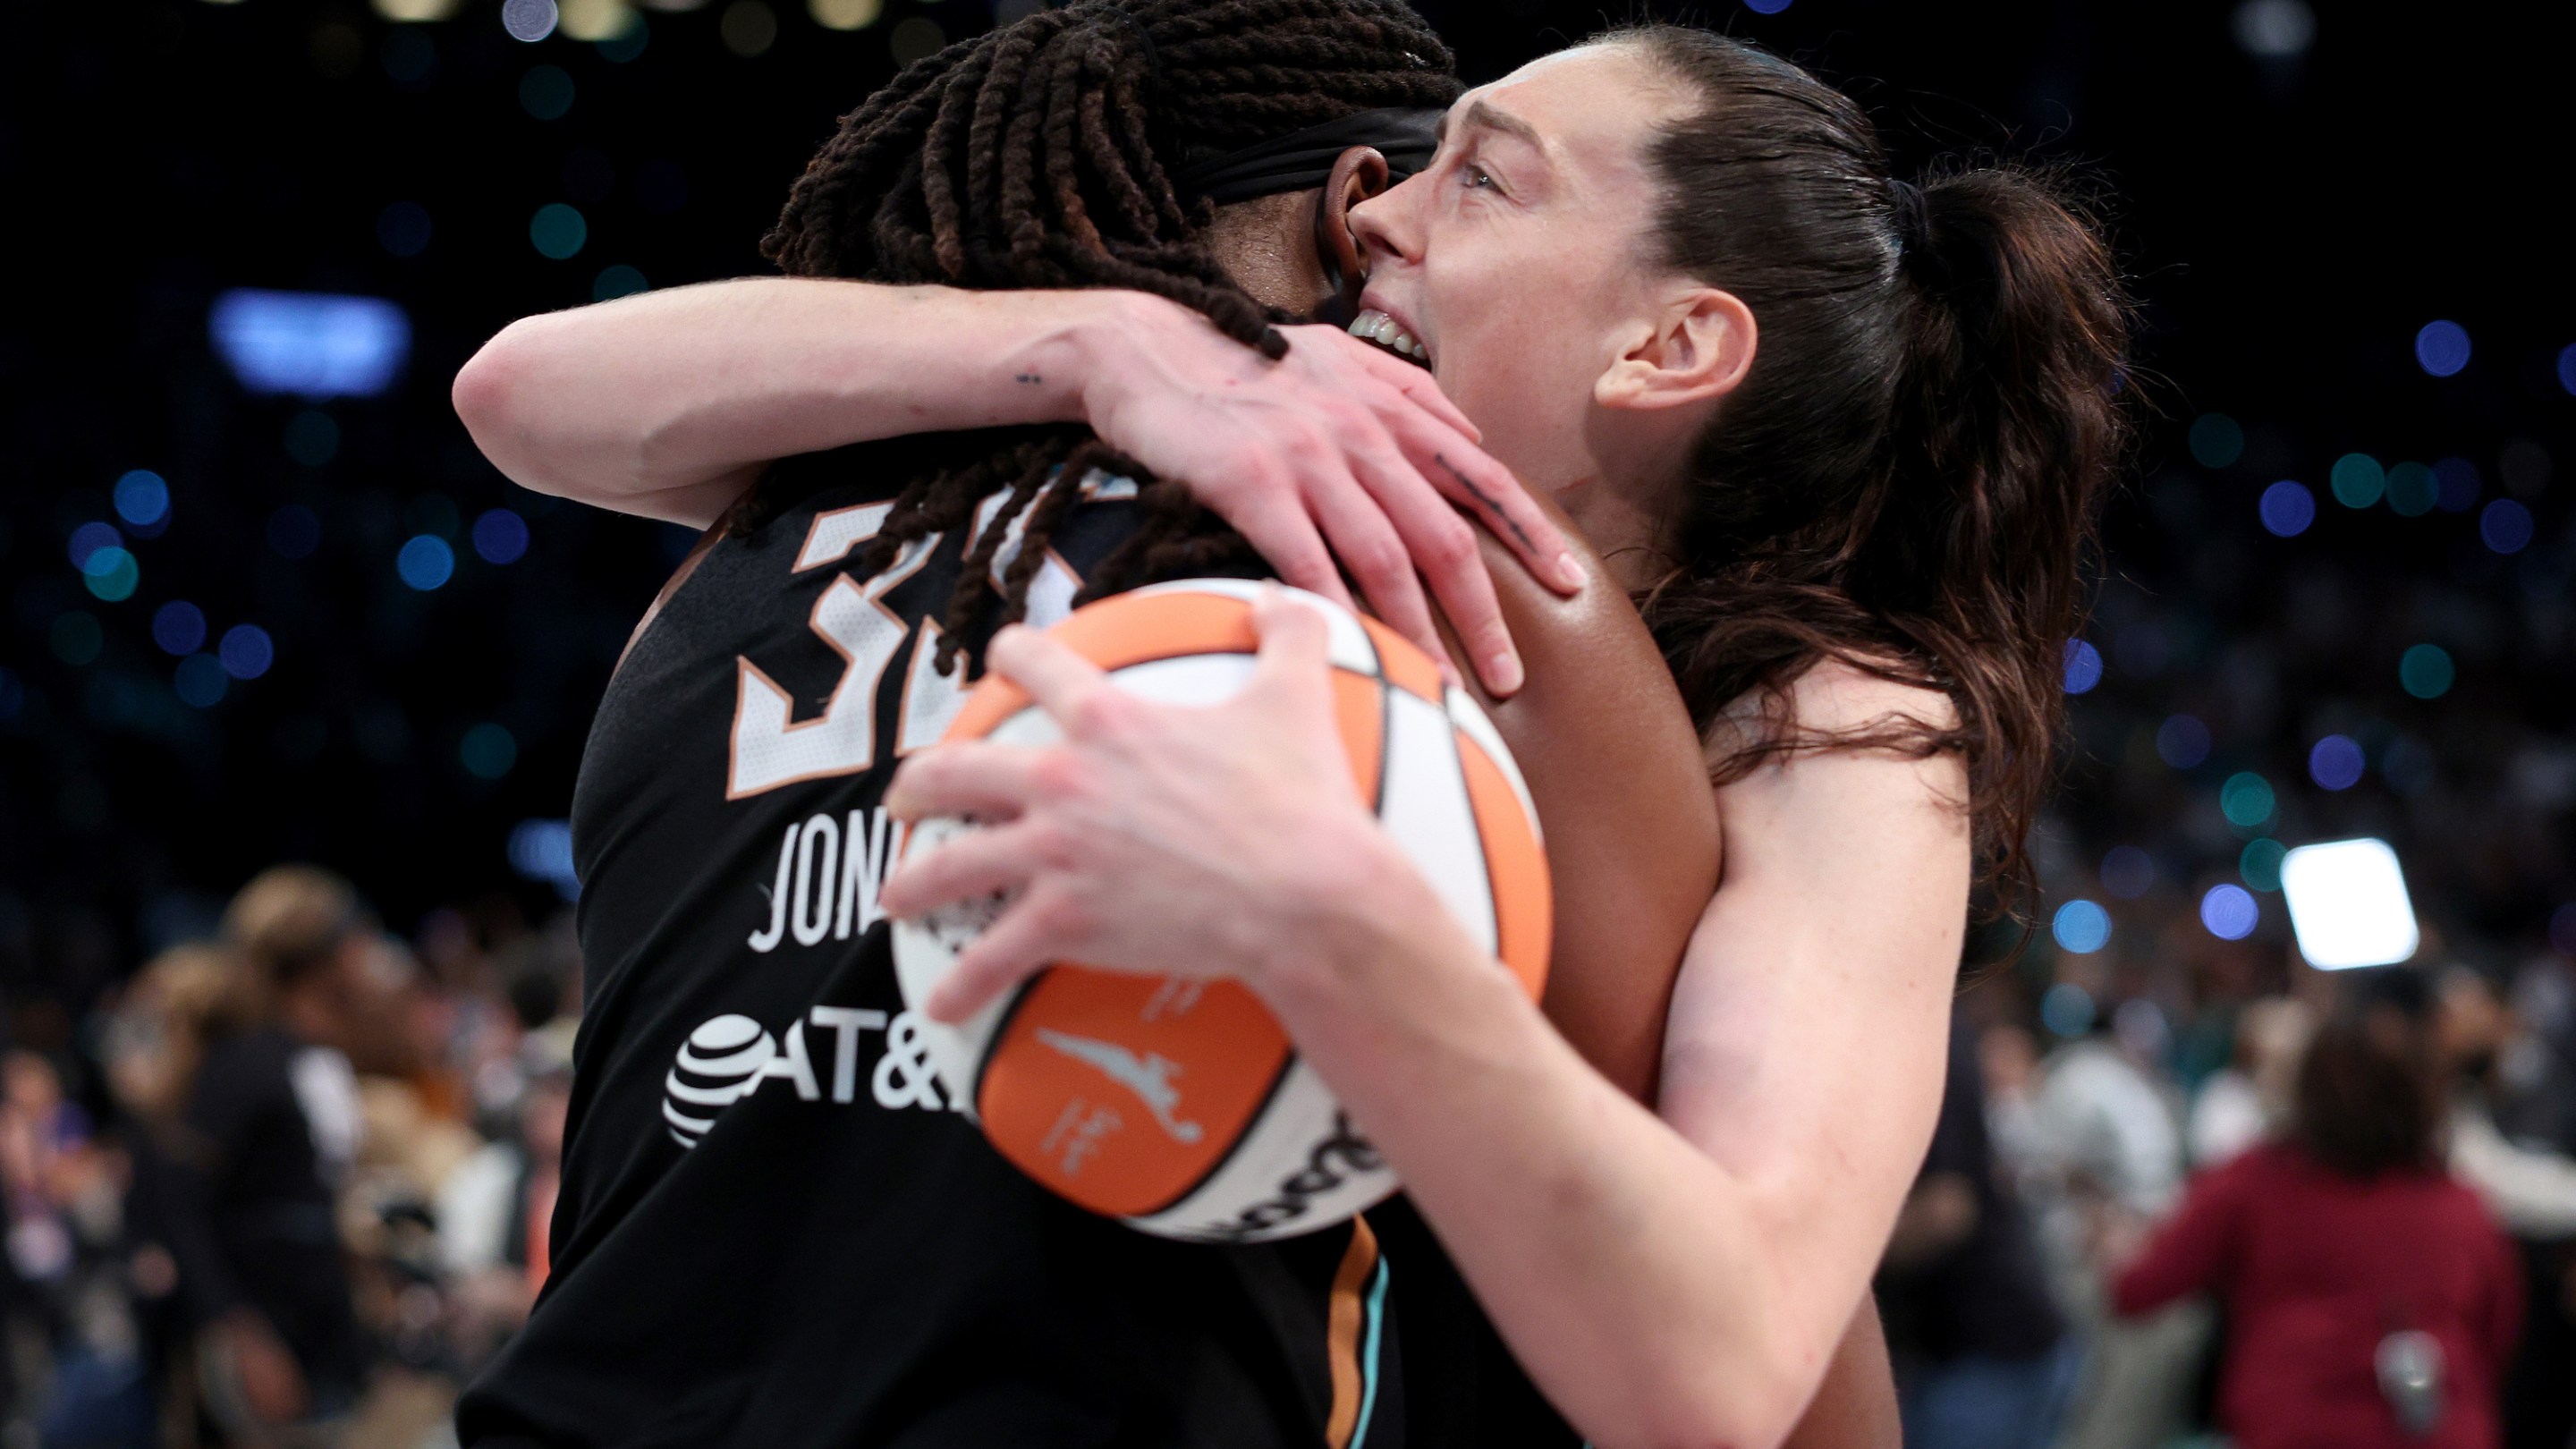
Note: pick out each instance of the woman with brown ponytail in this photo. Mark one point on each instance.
(1843, 438)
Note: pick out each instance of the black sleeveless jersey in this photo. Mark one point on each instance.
(774, 1229)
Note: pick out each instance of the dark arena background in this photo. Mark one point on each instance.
(266, 603)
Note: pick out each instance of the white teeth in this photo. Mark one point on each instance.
(1379, 328)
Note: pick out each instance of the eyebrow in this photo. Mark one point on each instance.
(1479, 113)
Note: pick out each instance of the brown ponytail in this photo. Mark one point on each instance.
(1908, 478)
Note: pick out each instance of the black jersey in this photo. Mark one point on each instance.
(774, 1228)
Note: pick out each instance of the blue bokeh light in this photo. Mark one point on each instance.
(2182, 742)
(500, 536)
(2216, 440)
(542, 850)
(426, 562)
(89, 538)
(111, 574)
(2081, 927)
(2067, 1009)
(179, 627)
(2335, 762)
(2567, 368)
(247, 651)
(2083, 666)
(558, 231)
(142, 498)
(488, 751)
(2288, 508)
(2230, 912)
(2505, 526)
(1767, 7)
(2442, 348)
(403, 229)
(310, 344)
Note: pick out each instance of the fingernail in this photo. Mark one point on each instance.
(1569, 571)
(1503, 667)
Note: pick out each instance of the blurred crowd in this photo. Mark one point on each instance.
(2335, 1209)
(287, 1185)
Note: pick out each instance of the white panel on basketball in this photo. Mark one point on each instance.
(1470, 719)
(923, 952)
(1425, 807)
(1291, 1170)
(1348, 646)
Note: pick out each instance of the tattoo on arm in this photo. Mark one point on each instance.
(1029, 377)
(1491, 507)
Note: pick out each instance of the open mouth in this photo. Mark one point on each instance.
(1375, 326)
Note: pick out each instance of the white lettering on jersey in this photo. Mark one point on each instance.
(770, 747)
(814, 872)
(835, 533)
(767, 938)
(827, 879)
(863, 866)
(845, 1023)
(729, 1057)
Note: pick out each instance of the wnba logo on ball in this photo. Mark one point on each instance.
(719, 1065)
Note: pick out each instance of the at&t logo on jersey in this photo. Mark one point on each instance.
(730, 1057)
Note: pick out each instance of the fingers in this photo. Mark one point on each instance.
(1012, 949)
(1283, 533)
(971, 777)
(1415, 383)
(1356, 525)
(1470, 478)
(1296, 644)
(1053, 674)
(968, 866)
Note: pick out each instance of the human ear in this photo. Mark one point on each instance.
(1698, 348)
(1358, 174)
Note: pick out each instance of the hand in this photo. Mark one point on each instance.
(1158, 839)
(1339, 444)
(271, 1384)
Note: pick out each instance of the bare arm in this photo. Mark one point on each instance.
(1681, 1280)
(667, 403)
(1337, 455)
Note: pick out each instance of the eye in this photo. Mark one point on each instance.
(1474, 177)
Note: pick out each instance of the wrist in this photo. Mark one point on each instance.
(1367, 917)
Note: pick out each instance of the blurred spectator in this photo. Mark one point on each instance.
(494, 1214)
(270, 1128)
(2371, 1300)
(1982, 1358)
(2107, 1130)
(2249, 1099)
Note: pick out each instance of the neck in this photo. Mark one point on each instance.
(1620, 488)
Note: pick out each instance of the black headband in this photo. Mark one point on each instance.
(1303, 159)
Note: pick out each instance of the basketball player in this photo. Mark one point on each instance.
(760, 1190)
(1843, 435)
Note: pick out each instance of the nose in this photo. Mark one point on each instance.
(1387, 226)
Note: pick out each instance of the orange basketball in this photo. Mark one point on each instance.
(1177, 1104)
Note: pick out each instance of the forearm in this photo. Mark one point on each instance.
(1641, 1283)
(667, 404)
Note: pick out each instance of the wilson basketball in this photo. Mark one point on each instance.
(1180, 1105)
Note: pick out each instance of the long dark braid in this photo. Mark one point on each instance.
(1041, 155)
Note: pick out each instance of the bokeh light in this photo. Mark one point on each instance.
(179, 627)
(2288, 508)
(2357, 480)
(2505, 526)
(142, 498)
(2426, 672)
(616, 281)
(2230, 912)
(558, 231)
(89, 538)
(545, 92)
(916, 39)
(2127, 872)
(294, 531)
(111, 574)
(2182, 741)
(2081, 927)
(529, 20)
(2412, 490)
(2335, 762)
(312, 438)
(749, 27)
(2274, 29)
(2259, 864)
(594, 20)
(247, 651)
(2562, 929)
(426, 562)
(201, 681)
(2216, 440)
(628, 43)
(2442, 348)
(845, 14)
(2567, 369)
(2083, 666)
(310, 344)
(2067, 1009)
(500, 536)
(488, 751)
(2246, 800)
